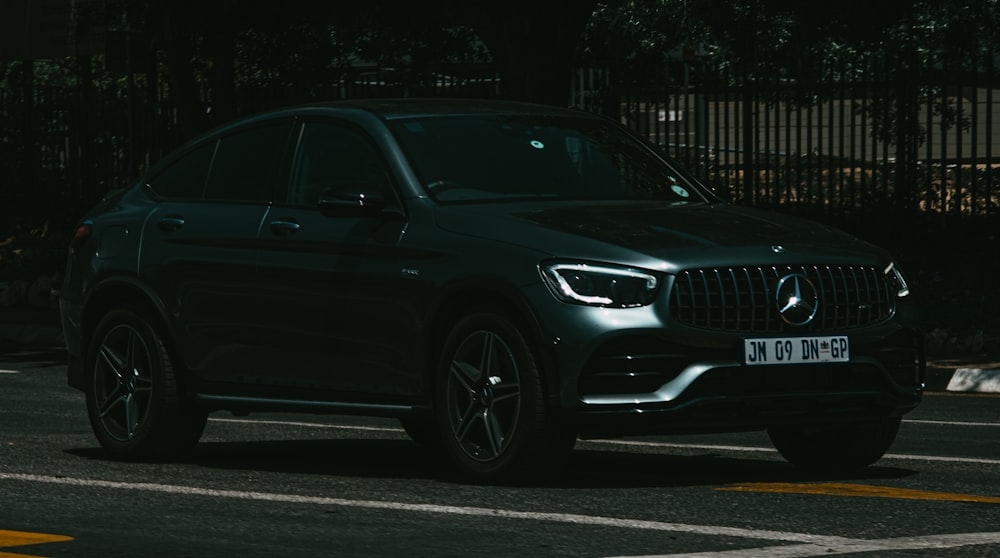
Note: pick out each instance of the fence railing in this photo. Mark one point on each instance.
(830, 147)
(70, 146)
(833, 147)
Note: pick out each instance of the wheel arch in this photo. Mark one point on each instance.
(128, 293)
(474, 296)
(122, 292)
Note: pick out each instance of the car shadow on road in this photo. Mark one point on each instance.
(586, 468)
(617, 469)
(35, 356)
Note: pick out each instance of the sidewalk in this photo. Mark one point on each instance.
(978, 373)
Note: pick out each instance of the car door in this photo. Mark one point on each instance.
(200, 248)
(337, 318)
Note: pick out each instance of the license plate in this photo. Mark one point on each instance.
(796, 350)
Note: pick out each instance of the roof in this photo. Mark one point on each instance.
(410, 107)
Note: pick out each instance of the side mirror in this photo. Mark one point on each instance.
(357, 205)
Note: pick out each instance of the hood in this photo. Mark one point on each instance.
(660, 234)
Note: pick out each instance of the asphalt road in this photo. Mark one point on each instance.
(305, 485)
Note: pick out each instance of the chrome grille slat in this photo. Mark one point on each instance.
(741, 299)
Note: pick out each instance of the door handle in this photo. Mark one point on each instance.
(284, 226)
(171, 223)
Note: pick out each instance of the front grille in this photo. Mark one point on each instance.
(742, 299)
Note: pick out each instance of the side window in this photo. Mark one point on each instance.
(336, 161)
(246, 163)
(186, 177)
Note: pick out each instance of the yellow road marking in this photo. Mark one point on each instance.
(21, 538)
(860, 490)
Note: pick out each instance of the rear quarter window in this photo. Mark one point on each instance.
(246, 163)
(186, 177)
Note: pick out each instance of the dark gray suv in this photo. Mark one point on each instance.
(501, 277)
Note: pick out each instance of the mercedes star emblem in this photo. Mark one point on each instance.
(797, 299)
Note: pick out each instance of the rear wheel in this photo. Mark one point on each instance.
(133, 401)
(835, 447)
(491, 412)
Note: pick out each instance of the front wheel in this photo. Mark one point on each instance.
(835, 447)
(133, 401)
(491, 412)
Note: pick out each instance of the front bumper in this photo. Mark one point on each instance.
(634, 371)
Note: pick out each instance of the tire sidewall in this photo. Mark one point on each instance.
(836, 447)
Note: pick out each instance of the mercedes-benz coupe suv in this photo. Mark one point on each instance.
(503, 278)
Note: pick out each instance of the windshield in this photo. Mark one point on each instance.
(503, 157)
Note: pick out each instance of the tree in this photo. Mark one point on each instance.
(534, 44)
(217, 44)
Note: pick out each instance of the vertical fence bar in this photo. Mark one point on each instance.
(830, 190)
(798, 150)
(842, 146)
(959, 110)
(886, 96)
(852, 176)
(809, 152)
(731, 180)
(716, 143)
(943, 161)
(738, 147)
(974, 141)
(787, 105)
(868, 94)
(988, 174)
(684, 106)
(765, 153)
(928, 196)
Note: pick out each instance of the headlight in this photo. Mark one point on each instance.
(896, 280)
(599, 285)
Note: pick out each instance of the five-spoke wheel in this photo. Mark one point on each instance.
(123, 382)
(133, 400)
(491, 412)
(483, 395)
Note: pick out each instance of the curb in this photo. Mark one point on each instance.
(975, 380)
(976, 375)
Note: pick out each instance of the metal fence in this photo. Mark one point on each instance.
(840, 145)
(64, 148)
(827, 147)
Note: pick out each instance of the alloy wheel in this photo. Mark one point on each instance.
(483, 396)
(123, 382)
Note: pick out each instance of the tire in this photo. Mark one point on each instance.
(491, 413)
(133, 401)
(420, 430)
(835, 448)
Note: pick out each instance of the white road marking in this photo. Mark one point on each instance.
(952, 422)
(710, 447)
(492, 513)
(927, 542)
(574, 519)
(809, 544)
(635, 443)
(772, 450)
(310, 425)
(9, 372)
